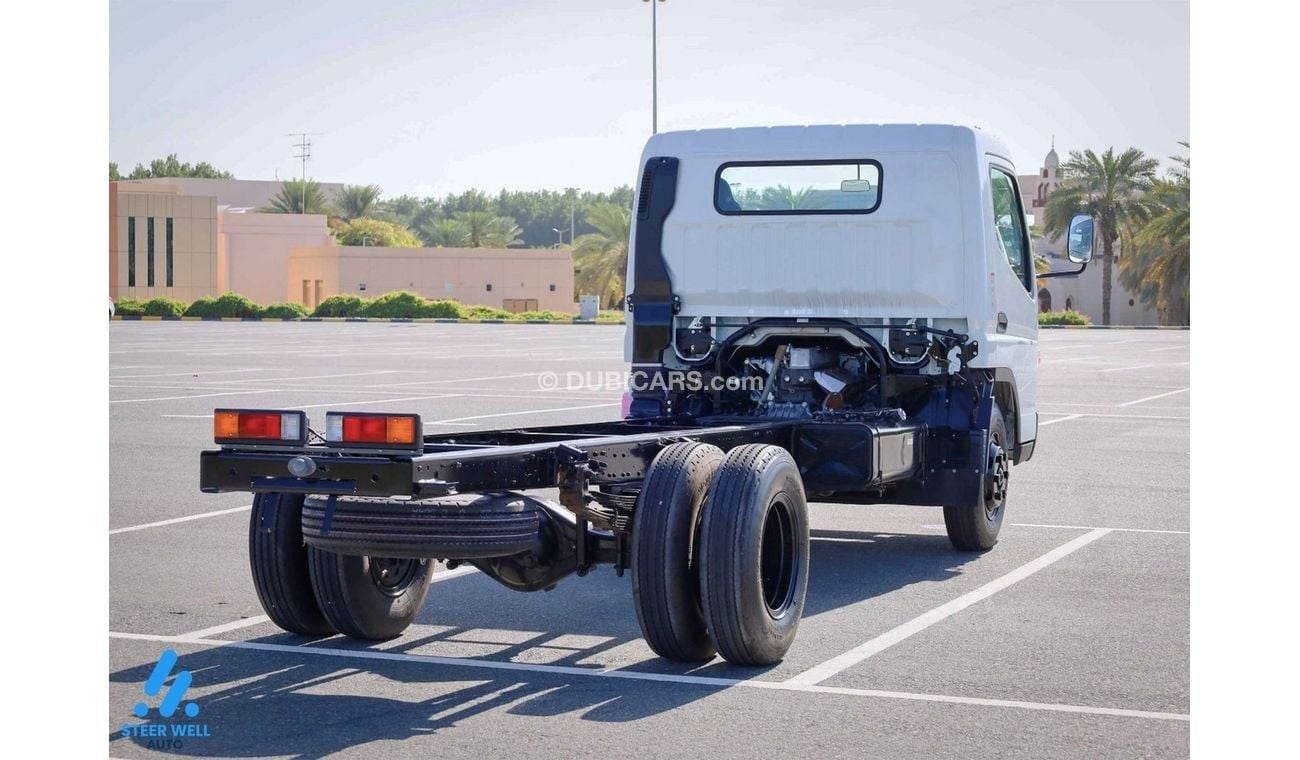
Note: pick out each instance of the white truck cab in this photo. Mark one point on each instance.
(749, 243)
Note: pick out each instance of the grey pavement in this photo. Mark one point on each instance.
(1069, 639)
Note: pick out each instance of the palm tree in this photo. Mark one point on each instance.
(358, 201)
(503, 233)
(298, 197)
(600, 258)
(1161, 266)
(445, 233)
(485, 230)
(782, 197)
(1111, 188)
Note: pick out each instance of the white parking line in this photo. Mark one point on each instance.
(1153, 398)
(204, 633)
(235, 625)
(456, 380)
(1145, 366)
(632, 675)
(189, 374)
(175, 520)
(858, 654)
(199, 395)
(1066, 418)
(455, 420)
(322, 377)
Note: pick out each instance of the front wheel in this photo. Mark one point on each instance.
(754, 554)
(975, 528)
(368, 597)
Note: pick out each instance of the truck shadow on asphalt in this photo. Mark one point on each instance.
(279, 703)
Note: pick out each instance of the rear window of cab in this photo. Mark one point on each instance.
(837, 186)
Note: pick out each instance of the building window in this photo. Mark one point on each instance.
(1044, 299)
(1044, 172)
(320, 286)
(170, 280)
(306, 294)
(489, 287)
(1069, 304)
(149, 250)
(130, 252)
(552, 288)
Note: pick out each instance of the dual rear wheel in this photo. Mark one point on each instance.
(720, 553)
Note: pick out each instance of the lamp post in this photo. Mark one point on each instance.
(654, 65)
(559, 236)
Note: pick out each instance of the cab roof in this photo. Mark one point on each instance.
(823, 141)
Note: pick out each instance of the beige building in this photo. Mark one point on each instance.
(165, 242)
(513, 279)
(161, 243)
(186, 239)
(253, 250)
(1082, 293)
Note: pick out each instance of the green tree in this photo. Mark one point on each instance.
(782, 197)
(357, 201)
(445, 233)
(113, 174)
(375, 232)
(298, 197)
(172, 167)
(600, 258)
(1160, 267)
(1112, 189)
(484, 230)
(503, 233)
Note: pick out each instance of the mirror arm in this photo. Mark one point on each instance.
(1075, 273)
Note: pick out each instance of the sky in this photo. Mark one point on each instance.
(439, 96)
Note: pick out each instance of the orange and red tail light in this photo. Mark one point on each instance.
(373, 430)
(265, 426)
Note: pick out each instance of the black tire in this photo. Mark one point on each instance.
(665, 581)
(754, 554)
(278, 559)
(975, 528)
(368, 597)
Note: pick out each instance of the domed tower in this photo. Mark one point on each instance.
(1051, 163)
(1048, 180)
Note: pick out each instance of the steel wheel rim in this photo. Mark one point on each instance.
(393, 576)
(995, 482)
(777, 571)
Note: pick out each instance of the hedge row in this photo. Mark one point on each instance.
(1066, 317)
(399, 304)
(228, 305)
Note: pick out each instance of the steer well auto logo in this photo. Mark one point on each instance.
(171, 728)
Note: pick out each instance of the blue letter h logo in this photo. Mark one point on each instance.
(174, 695)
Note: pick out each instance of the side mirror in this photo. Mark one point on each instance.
(1079, 242)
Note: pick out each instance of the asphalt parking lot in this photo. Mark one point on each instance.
(1069, 639)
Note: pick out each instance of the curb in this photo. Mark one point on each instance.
(405, 320)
